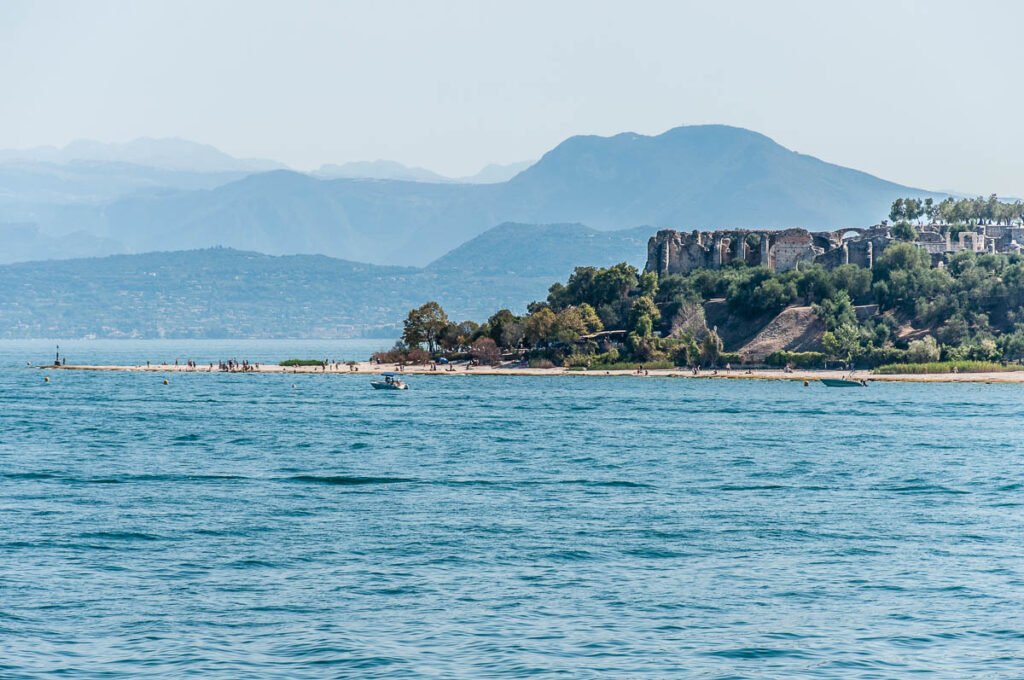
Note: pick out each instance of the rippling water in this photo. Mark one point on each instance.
(232, 526)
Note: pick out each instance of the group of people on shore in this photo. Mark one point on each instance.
(234, 365)
(335, 365)
(228, 365)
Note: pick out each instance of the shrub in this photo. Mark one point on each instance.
(302, 362)
(923, 351)
(576, 359)
(417, 356)
(877, 356)
(541, 363)
(796, 359)
(628, 366)
(485, 351)
(944, 367)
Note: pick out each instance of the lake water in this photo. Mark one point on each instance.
(234, 526)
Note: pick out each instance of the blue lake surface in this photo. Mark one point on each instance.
(234, 526)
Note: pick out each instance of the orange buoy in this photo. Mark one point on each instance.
(46, 379)
(167, 382)
(806, 384)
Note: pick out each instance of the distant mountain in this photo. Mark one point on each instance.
(234, 294)
(690, 177)
(702, 175)
(379, 169)
(283, 212)
(41, 182)
(544, 250)
(221, 292)
(496, 172)
(23, 242)
(167, 153)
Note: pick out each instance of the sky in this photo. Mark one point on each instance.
(924, 93)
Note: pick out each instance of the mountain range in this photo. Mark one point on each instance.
(221, 292)
(688, 177)
(167, 153)
(491, 173)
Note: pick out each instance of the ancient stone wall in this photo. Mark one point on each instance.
(673, 252)
(789, 248)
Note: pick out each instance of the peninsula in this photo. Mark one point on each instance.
(946, 296)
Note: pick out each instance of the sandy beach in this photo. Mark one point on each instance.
(368, 368)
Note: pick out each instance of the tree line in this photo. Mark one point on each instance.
(951, 211)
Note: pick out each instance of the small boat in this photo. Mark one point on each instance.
(833, 382)
(390, 382)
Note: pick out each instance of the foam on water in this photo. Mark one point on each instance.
(230, 526)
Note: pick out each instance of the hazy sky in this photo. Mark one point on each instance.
(925, 93)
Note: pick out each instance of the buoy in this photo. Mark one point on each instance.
(806, 384)
(167, 382)
(293, 385)
(29, 363)
(46, 380)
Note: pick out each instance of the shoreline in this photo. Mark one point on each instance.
(370, 369)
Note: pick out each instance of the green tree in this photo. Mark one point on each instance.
(1012, 345)
(814, 283)
(836, 311)
(853, 279)
(901, 256)
(512, 335)
(904, 231)
(497, 323)
(425, 324)
(643, 315)
(590, 318)
(614, 283)
(710, 348)
(648, 284)
(929, 209)
(897, 212)
(569, 325)
(772, 295)
(843, 342)
(537, 326)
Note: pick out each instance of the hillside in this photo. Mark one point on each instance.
(229, 293)
(795, 329)
(695, 176)
(24, 242)
(379, 169)
(549, 250)
(167, 153)
(685, 178)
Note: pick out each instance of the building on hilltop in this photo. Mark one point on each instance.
(675, 252)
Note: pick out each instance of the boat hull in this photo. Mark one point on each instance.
(832, 382)
(388, 386)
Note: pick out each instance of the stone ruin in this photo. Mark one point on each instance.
(675, 252)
